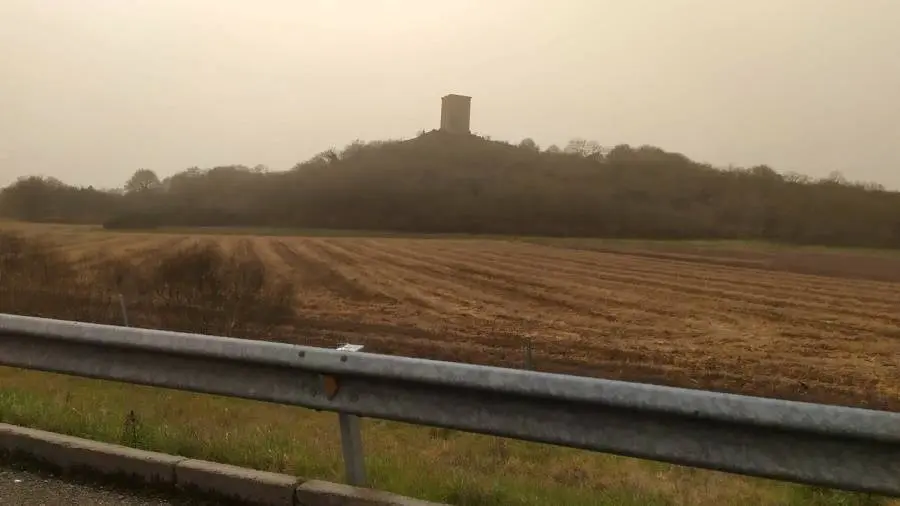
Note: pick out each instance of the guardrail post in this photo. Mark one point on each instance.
(351, 440)
(351, 446)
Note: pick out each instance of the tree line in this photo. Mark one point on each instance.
(443, 183)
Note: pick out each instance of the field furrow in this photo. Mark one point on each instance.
(664, 264)
(775, 307)
(863, 293)
(683, 319)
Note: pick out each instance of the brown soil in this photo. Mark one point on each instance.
(822, 327)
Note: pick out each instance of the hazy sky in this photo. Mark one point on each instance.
(91, 90)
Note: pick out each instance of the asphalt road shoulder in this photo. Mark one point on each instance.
(26, 486)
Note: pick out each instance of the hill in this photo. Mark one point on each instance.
(439, 182)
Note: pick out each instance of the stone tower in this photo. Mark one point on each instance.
(455, 113)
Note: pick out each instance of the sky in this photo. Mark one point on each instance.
(91, 90)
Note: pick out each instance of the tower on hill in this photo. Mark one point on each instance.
(455, 112)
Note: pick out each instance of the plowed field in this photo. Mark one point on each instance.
(659, 318)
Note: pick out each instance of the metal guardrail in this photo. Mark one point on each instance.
(845, 448)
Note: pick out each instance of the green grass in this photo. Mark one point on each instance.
(275, 231)
(566, 242)
(708, 245)
(438, 465)
(686, 244)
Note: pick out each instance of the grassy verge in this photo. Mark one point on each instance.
(687, 245)
(432, 464)
(709, 245)
(724, 245)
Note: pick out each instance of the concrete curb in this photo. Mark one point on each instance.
(68, 454)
